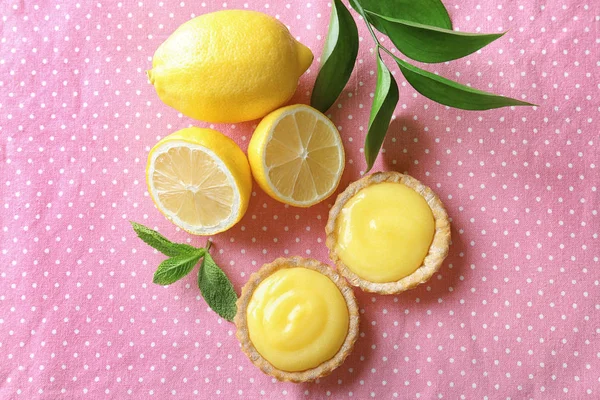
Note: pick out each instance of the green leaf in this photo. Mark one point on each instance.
(358, 8)
(337, 59)
(451, 93)
(428, 12)
(431, 44)
(384, 103)
(161, 243)
(217, 289)
(175, 268)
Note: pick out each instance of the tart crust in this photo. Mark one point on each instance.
(325, 368)
(437, 251)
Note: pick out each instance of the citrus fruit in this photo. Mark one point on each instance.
(296, 155)
(229, 66)
(199, 179)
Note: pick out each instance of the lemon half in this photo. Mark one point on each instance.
(199, 179)
(296, 155)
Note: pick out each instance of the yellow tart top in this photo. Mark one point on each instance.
(384, 232)
(297, 319)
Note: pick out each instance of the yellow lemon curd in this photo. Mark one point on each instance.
(297, 319)
(384, 232)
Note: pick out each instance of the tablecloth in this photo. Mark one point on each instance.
(514, 313)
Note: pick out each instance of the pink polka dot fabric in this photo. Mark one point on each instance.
(514, 313)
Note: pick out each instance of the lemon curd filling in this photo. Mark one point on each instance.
(384, 232)
(297, 319)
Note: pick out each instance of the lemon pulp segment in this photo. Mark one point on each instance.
(297, 319)
(190, 184)
(384, 232)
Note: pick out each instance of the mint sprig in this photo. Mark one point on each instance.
(215, 286)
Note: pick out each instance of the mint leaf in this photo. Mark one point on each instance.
(175, 268)
(217, 289)
(161, 243)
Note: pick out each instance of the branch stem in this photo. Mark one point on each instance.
(378, 45)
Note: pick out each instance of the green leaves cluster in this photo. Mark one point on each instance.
(422, 32)
(214, 285)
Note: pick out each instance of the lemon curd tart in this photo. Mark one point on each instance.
(297, 319)
(387, 233)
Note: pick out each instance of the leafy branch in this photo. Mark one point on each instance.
(423, 33)
(214, 285)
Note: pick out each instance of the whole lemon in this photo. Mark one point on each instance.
(229, 66)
